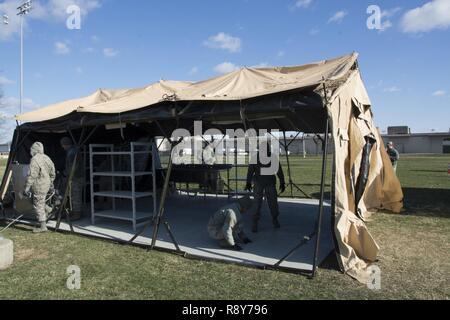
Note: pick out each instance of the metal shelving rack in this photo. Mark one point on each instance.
(132, 215)
(235, 179)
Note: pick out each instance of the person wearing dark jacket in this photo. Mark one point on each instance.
(265, 185)
(394, 156)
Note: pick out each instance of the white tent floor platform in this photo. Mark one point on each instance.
(188, 217)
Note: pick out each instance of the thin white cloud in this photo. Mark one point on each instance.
(338, 17)
(95, 38)
(432, 15)
(303, 3)
(385, 25)
(9, 107)
(48, 11)
(9, 8)
(314, 32)
(12, 104)
(224, 41)
(392, 89)
(390, 12)
(57, 8)
(193, 70)
(225, 67)
(5, 81)
(110, 52)
(281, 54)
(385, 15)
(61, 48)
(88, 50)
(439, 93)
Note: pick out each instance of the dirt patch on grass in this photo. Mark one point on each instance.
(30, 254)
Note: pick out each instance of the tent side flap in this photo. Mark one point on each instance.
(351, 124)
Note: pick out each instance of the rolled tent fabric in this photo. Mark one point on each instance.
(361, 182)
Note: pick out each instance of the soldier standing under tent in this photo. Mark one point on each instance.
(226, 224)
(76, 186)
(393, 155)
(265, 185)
(39, 182)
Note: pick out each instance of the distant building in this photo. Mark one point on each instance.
(4, 148)
(405, 142)
(436, 142)
(399, 130)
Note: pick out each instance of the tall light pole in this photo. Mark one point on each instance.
(24, 9)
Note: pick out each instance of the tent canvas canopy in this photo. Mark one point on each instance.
(323, 97)
(242, 84)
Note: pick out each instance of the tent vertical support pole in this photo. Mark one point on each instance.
(7, 176)
(322, 184)
(156, 220)
(291, 184)
(69, 181)
(286, 151)
(163, 201)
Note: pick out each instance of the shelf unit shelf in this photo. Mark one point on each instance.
(121, 215)
(132, 215)
(121, 174)
(122, 194)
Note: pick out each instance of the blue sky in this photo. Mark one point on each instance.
(405, 66)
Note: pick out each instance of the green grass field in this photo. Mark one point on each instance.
(414, 257)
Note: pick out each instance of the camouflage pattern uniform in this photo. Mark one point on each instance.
(265, 185)
(40, 179)
(226, 225)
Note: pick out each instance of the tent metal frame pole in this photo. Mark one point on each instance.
(68, 186)
(305, 240)
(307, 126)
(322, 196)
(290, 183)
(156, 220)
(317, 229)
(12, 156)
(303, 272)
(322, 183)
(80, 143)
(7, 177)
(162, 205)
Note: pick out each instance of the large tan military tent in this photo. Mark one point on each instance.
(326, 98)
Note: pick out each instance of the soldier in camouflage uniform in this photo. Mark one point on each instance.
(76, 187)
(265, 185)
(226, 224)
(39, 182)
